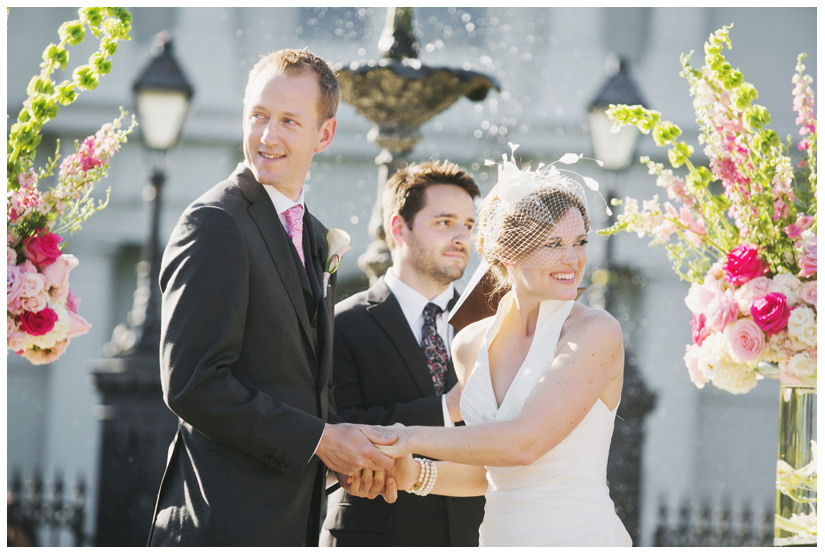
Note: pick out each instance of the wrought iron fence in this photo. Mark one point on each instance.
(702, 524)
(42, 513)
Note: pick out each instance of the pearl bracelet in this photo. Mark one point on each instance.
(427, 475)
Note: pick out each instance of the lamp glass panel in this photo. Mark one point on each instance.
(614, 149)
(161, 117)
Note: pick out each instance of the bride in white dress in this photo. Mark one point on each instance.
(541, 381)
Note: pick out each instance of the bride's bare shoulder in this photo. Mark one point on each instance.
(593, 323)
(466, 345)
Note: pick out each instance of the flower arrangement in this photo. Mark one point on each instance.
(41, 311)
(741, 230)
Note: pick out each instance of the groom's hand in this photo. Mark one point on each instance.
(369, 484)
(347, 448)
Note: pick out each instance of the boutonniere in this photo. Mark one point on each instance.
(337, 245)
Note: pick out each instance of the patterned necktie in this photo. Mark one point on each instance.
(295, 228)
(434, 348)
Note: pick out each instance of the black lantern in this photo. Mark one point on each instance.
(616, 150)
(162, 96)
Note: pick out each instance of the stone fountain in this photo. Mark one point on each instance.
(398, 94)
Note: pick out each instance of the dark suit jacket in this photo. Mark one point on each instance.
(245, 364)
(380, 376)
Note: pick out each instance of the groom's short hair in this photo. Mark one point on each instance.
(404, 191)
(291, 61)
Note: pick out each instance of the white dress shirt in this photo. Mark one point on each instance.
(412, 305)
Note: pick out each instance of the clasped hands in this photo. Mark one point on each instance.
(401, 475)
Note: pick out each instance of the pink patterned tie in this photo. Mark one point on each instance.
(295, 228)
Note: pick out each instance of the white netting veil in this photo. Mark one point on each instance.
(533, 218)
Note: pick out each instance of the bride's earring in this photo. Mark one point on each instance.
(510, 275)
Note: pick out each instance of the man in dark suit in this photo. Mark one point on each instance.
(246, 339)
(391, 358)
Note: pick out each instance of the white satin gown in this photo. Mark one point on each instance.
(562, 499)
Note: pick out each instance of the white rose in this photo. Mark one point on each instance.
(802, 328)
(802, 365)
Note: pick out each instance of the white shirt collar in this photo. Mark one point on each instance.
(412, 302)
(282, 202)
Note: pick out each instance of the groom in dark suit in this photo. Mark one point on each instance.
(246, 338)
(391, 359)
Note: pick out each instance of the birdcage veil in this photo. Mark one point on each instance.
(531, 218)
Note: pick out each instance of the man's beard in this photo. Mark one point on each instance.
(427, 263)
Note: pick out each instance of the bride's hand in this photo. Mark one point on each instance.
(399, 448)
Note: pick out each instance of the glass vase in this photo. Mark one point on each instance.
(795, 522)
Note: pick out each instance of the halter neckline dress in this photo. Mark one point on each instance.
(562, 498)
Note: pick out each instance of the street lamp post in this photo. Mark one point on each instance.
(617, 151)
(136, 425)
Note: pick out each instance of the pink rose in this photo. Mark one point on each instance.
(745, 339)
(721, 311)
(16, 341)
(692, 362)
(11, 256)
(14, 284)
(42, 248)
(27, 267)
(771, 313)
(34, 283)
(743, 264)
(700, 295)
(60, 294)
(77, 326)
(699, 330)
(36, 303)
(808, 261)
(38, 323)
(808, 293)
(57, 273)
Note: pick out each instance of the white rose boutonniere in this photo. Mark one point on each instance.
(337, 244)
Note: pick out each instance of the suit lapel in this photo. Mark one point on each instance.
(383, 306)
(277, 242)
(314, 253)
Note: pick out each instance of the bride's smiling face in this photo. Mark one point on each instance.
(555, 269)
